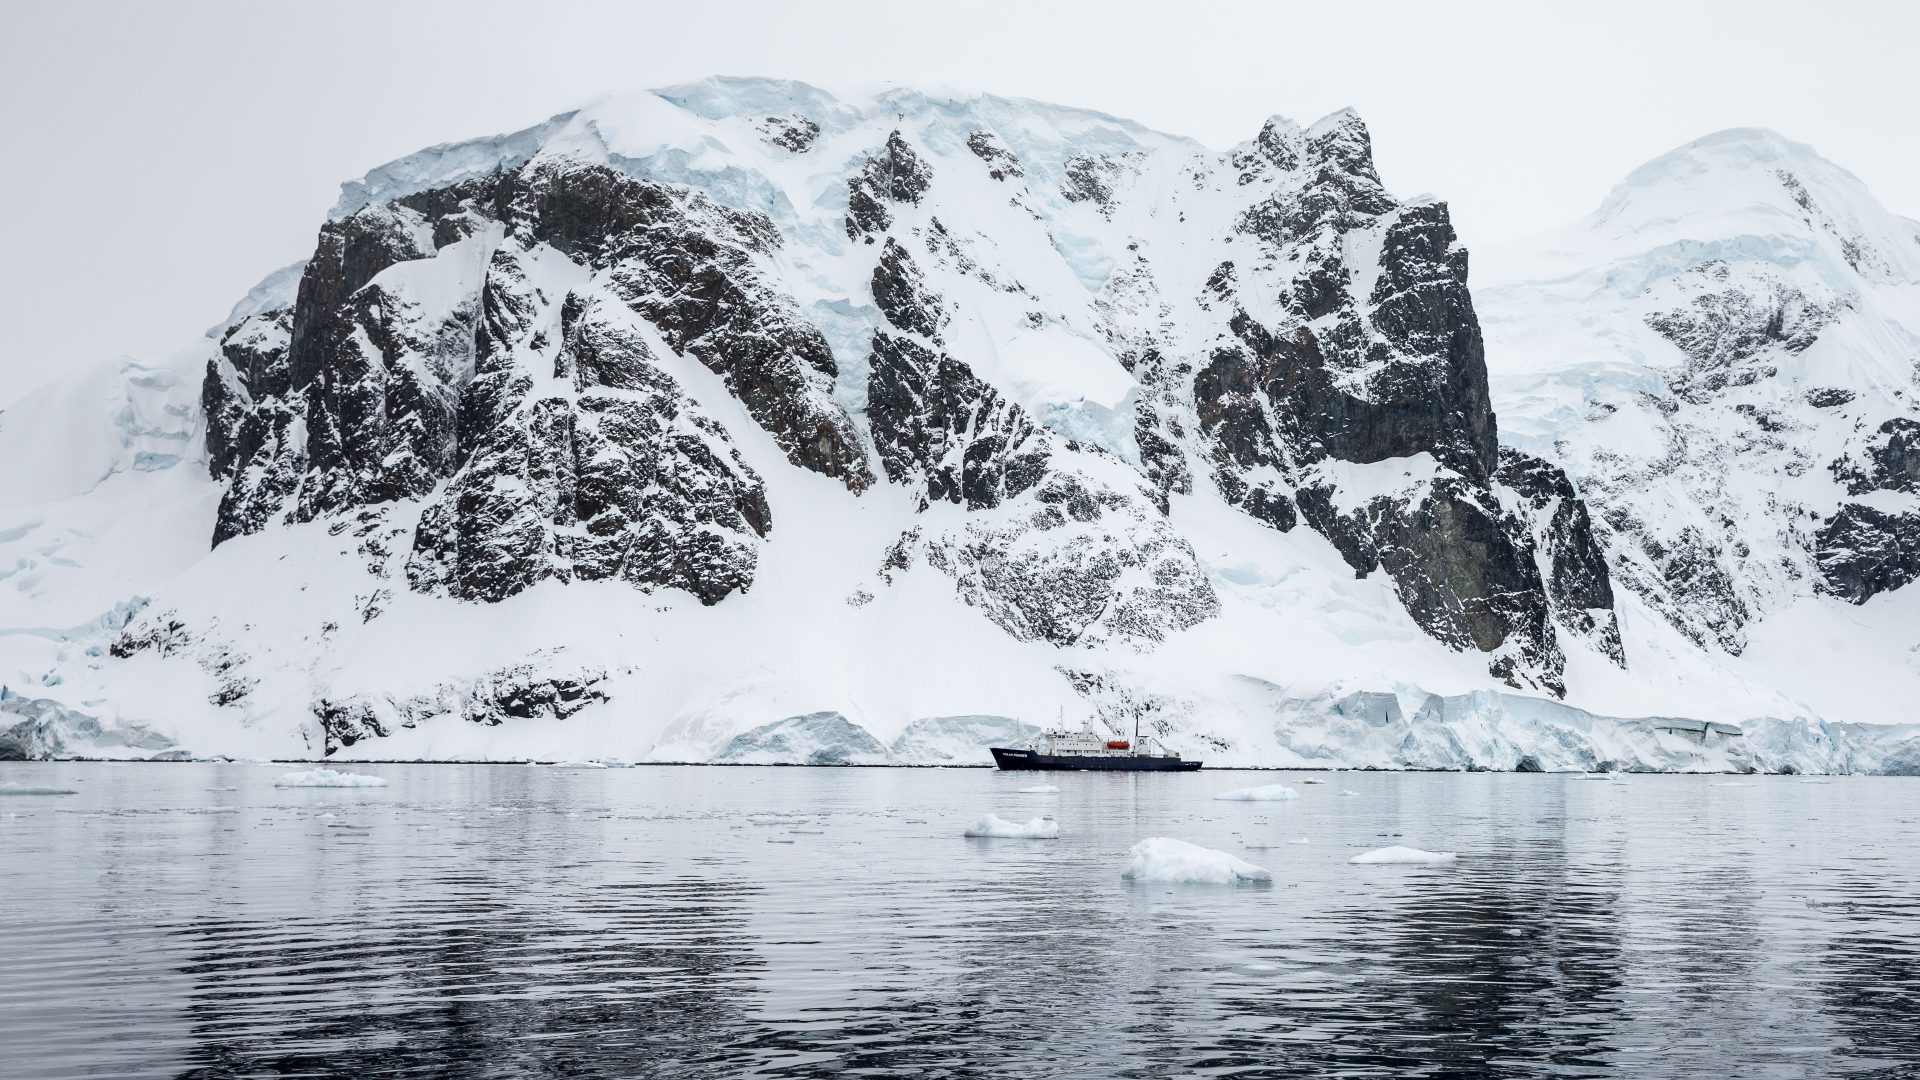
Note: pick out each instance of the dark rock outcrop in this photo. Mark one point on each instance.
(1891, 461)
(557, 443)
(1726, 328)
(1395, 373)
(1864, 552)
(522, 692)
(894, 175)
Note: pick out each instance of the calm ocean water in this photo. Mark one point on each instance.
(507, 921)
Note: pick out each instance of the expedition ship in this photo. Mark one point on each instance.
(1087, 750)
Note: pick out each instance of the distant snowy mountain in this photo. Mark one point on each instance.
(735, 421)
(1726, 357)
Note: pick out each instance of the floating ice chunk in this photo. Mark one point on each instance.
(1734, 783)
(29, 789)
(1815, 780)
(579, 764)
(1161, 858)
(1270, 793)
(1311, 780)
(1302, 840)
(1036, 829)
(1043, 789)
(329, 778)
(1403, 855)
(1343, 793)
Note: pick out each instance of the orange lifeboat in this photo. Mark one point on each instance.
(1118, 744)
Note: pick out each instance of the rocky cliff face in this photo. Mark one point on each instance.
(489, 349)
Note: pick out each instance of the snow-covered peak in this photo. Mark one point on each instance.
(1743, 194)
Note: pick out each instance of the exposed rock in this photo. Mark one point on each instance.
(370, 398)
(795, 133)
(612, 472)
(1001, 164)
(1091, 179)
(1864, 552)
(895, 175)
(1729, 322)
(1392, 374)
(527, 691)
(1579, 588)
(1891, 460)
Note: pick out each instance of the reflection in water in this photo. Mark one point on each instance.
(481, 985)
(475, 921)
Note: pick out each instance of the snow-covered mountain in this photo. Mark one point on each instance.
(736, 421)
(1726, 357)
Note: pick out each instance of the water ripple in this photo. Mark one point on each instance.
(193, 921)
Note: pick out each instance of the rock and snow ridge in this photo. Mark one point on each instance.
(735, 421)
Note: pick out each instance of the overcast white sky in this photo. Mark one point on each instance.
(161, 158)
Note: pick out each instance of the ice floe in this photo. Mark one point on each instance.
(1270, 793)
(1043, 789)
(1403, 855)
(328, 778)
(29, 789)
(1033, 829)
(1164, 859)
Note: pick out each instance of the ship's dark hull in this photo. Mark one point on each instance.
(1033, 761)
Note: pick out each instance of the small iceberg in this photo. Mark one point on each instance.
(1270, 793)
(1311, 780)
(30, 789)
(328, 778)
(995, 825)
(1163, 859)
(1735, 783)
(1043, 789)
(1815, 780)
(1405, 856)
(1343, 793)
